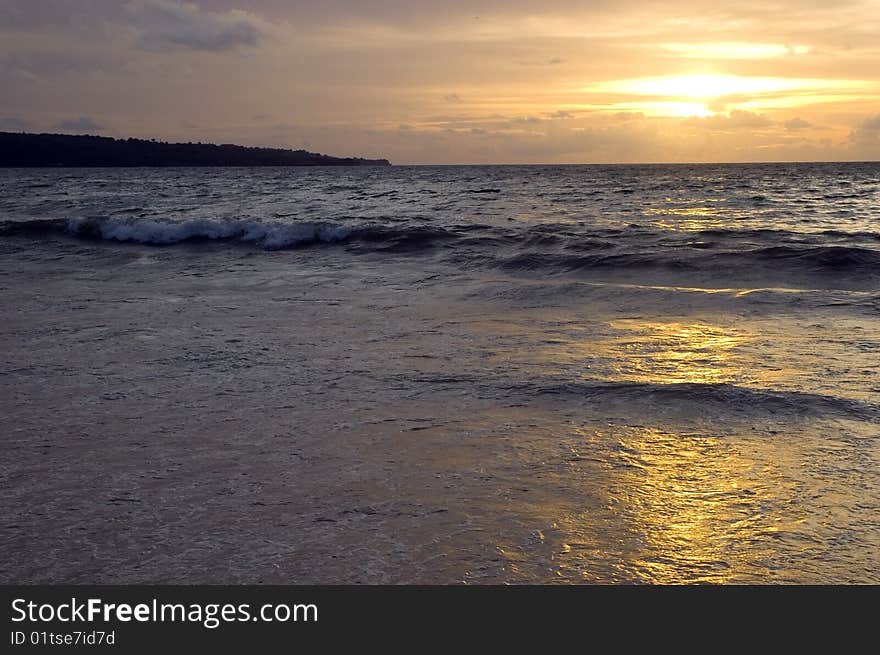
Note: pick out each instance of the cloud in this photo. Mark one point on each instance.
(16, 14)
(867, 133)
(352, 72)
(872, 124)
(722, 102)
(81, 124)
(13, 124)
(552, 61)
(738, 119)
(35, 65)
(182, 25)
(796, 124)
(737, 50)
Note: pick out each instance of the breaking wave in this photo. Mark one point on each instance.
(546, 248)
(265, 234)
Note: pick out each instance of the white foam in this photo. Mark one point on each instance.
(284, 235)
(269, 235)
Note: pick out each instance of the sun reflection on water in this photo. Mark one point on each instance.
(689, 450)
(669, 353)
(686, 211)
(691, 503)
(634, 503)
(692, 224)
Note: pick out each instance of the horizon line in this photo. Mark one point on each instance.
(288, 148)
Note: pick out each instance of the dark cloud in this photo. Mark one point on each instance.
(452, 97)
(796, 124)
(20, 14)
(183, 25)
(81, 124)
(488, 12)
(48, 63)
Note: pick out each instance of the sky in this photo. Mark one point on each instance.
(457, 81)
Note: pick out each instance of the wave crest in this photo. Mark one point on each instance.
(268, 235)
(535, 250)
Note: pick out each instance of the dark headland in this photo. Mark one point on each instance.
(18, 149)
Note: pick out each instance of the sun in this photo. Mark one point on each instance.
(696, 94)
(705, 87)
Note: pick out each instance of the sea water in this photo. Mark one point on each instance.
(483, 374)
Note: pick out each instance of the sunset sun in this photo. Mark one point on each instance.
(703, 94)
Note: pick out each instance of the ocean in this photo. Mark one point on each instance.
(487, 374)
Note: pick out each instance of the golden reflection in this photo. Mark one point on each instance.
(634, 503)
(691, 218)
(654, 352)
(680, 486)
(693, 225)
(685, 211)
(693, 500)
(669, 353)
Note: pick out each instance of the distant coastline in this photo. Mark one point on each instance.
(20, 149)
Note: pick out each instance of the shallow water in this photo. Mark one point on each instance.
(479, 374)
